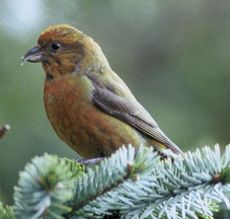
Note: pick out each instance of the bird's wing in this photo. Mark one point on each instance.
(116, 99)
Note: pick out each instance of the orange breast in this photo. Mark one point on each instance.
(84, 127)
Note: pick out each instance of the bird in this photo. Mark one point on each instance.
(89, 106)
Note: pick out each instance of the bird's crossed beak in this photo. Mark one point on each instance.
(33, 55)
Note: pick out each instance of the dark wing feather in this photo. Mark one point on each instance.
(123, 105)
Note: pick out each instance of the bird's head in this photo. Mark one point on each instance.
(63, 49)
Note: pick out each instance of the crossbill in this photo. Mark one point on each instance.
(87, 103)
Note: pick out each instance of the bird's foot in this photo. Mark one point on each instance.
(90, 161)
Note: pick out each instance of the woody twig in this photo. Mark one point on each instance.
(3, 130)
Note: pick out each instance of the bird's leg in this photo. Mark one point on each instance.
(90, 161)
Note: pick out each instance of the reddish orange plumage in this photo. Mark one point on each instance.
(80, 123)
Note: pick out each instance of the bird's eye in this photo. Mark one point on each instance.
(55, 46)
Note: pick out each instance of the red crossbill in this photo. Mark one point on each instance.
(87, 103)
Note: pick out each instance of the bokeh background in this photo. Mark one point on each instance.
(173, 54)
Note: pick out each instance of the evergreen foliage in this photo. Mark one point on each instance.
(44, 187)
(134, 183)
(6, 212)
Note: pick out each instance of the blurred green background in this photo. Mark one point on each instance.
(173, 54)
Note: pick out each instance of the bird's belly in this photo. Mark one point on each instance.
(85, 128)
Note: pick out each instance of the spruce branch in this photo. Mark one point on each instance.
(44, 187)
(133, 182)
(191, 186)
(122, 170)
